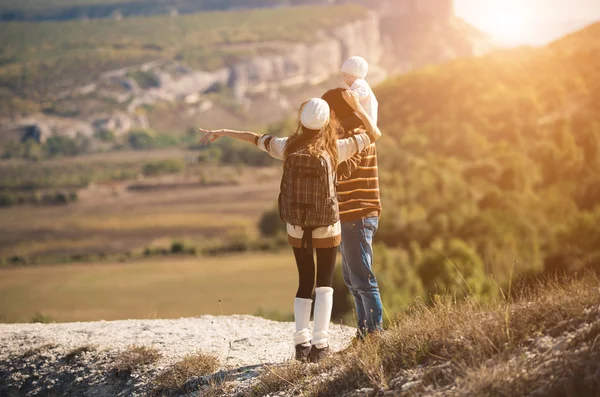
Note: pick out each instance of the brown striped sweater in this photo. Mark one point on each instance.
(358, 186)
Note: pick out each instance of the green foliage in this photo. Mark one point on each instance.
(105, 136)
(270, 223)
(144, 79)
(64, 146)
(140, 140)
(490, 163)
(160, 167)
(41, 318)
(230, 151)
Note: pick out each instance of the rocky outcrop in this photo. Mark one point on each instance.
(309, 63)
(287, 66)
(269, 87)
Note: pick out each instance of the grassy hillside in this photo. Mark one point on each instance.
(541, 343)
(490, 167)
(37, 56)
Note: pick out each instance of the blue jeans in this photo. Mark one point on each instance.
(357, 260)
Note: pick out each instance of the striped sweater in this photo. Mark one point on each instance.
(358, 186)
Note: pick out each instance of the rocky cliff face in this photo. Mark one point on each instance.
(257, 84)
(310, 63)
(395, 36)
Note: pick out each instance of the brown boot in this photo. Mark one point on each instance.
(317, 354)
(303, 352)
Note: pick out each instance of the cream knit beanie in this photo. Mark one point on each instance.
(356, 66)
(315, 114)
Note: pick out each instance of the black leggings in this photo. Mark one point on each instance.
(306, 269)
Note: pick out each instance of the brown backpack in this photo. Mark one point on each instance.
(308, 195)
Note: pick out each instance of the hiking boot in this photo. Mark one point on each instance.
(317, 354)
(303, 352)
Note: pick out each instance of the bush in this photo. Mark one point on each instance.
(270, 224)
(61, 198)
(144, 79)
(41, 318)
(159, 167)
(61, 145)
(140, 140)
(105, 136)
(7, 199)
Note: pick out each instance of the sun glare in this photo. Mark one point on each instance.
(507, 21)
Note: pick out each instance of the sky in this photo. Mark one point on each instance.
(515, 22)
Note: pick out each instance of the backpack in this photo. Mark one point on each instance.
(308, 195)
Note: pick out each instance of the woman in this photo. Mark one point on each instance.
(316, 134)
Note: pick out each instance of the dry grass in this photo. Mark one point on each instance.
(74, 354)
(135, 357)
(478, 350)
(39, 349)
(151, 288)
(175, 378)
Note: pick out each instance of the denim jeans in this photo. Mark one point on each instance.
(357, 260)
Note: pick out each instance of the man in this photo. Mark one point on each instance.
(360, 207)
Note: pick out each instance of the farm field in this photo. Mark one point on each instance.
(153, 288)
(124, 216)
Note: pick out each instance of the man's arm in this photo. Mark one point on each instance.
(346, 168)
(372, 129)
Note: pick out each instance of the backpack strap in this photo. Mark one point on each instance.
(307, 237)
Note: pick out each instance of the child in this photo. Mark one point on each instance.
(354, 71)
(308, 194)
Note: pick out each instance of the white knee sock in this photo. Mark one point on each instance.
(323, 306)
(302, 319)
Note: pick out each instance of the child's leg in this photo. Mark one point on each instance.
(302, 303)
(324, 295)
(306, 272)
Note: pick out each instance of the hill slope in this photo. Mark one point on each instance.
(544, 342)
(491, 166)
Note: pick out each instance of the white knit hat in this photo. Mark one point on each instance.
(315, 114)
(356, 66)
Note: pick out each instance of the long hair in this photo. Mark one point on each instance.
(346, 116)
(314, 142)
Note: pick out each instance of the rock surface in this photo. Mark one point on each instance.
(73, 359)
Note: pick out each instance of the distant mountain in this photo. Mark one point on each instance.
(499, 154)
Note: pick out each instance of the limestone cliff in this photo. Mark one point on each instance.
(395, 36)
(257, 83)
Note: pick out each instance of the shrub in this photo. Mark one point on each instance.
(61, 145)
(270, 223)
(41, 318)
(105, 136)
(6, 199)
(144, 79)
(174, 378)
(140, 140)
(61, 198)
(133, 358)
(159, 167)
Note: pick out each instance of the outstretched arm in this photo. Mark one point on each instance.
(213, 135)
(275, 147)
(353, 101)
